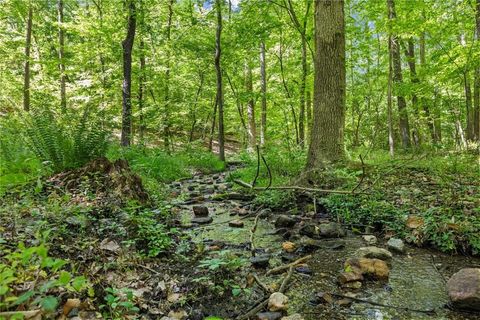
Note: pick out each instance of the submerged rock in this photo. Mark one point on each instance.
(284, 221)
(202, 220)
(236, 224)
(464, 289)
(277, 302)
(349, 276)
(373, 253)
(269, 315)
(396, 245)
(374, 268)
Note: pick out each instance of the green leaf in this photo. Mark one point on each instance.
(236, 292)
(78, 283)
(24, 297)
(49, 303)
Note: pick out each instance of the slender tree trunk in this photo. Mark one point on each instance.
(141, 90)
(468, 105)
(127, 45)
(194, 108)
(26, 74)
(398, 79)
(425, 106)
(252, 130)
(476, 87)
(303, 81)
(61, 44)
(218, 68)
(327, 142)
(391, 142)
(263, 75)
(410, 53)
(212, 129)
(166, 122)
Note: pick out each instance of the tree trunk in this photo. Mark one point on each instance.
(127, 45)
(218, 68)
(468, 105)
(252, 130)
(166, 118)
(410, 53)
(476, 86)
(326, 142)
(391, 142)
(26, 75)
(194, 107)
(308, 106)
(61, 44)
(301, 115)
(398, 79)
(263, 75)
(141, 90)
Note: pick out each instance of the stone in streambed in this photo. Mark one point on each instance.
(331, 230)
(373, 253)
(236, 224)
(396, 245)
(349, 276)
(464, 289)
(370, 239)
(261, 261)
(295, 316)
(284, 221)
(374, 268)
(355, 285)
(202, 220)
(200, 211)
(277, 302)
(269, 315)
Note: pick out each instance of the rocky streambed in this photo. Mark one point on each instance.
(344, 275)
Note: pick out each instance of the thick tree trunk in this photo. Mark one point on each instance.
(127, 45)
(61, 44)
(398, 79)
(326, 142)
(476, 87)
(218, 68)
(263, 75)
(301, 115)
(26, 74)
(252, 130)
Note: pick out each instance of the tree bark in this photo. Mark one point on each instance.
(166, 118)
(391, 141)
(308, 106)
(476, 87)
(468, 105)
(425, 106)
(398, 80)
(141, 90)
(127, 45)
(327, 141)
(218, 68)
(26, 74)
(263, 75)
(252, 130)
(61, 57)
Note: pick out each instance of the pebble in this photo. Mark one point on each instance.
(277, 302)
(396, 245)
(236, 224)
(269, 315)
(261, 261)
(370, 239)
(202, 220)
(200, 211)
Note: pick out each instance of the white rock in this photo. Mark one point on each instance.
(277, 302)
(370, 239)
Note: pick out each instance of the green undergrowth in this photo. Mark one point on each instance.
(441, 189)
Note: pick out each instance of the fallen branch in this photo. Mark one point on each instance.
(252, 312)
(378, 304)
(246, 185)
(285, 281)
(261, 284)
(252, 233)
(287, 266)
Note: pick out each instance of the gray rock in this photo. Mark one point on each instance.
(202, 220)
(277, 302)
(370, 239)
(310, 230)
(373, 253)
(331, 230)
(284, 221)
(464, 289)
(200, 211)
(396, 245)
(261, 261)
(269, 315)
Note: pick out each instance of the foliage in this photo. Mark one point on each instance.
(33, 264)
(225, 260)
(119, 303)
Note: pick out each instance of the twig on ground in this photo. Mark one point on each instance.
(287, 266)
(252, 233)
(261, 284)
(246, 185)
(432, 311)
(285, 281)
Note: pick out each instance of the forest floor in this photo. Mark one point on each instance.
(138, 257)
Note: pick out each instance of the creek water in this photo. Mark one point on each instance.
(416, 282)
